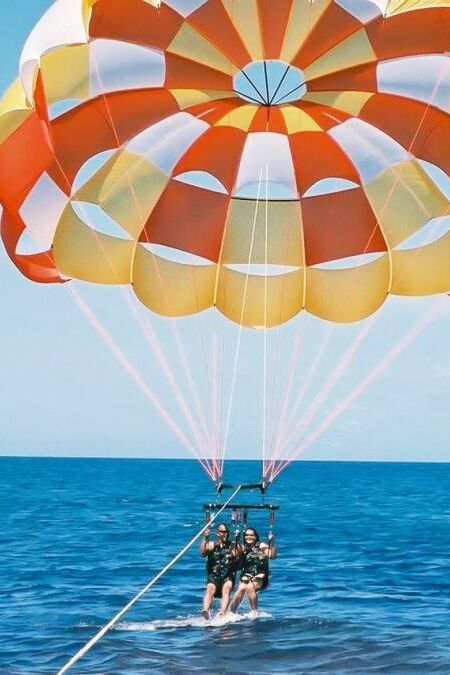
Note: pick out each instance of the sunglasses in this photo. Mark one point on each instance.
(222, 531)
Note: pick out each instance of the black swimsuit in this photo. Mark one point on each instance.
(221, 566)
(255, 566)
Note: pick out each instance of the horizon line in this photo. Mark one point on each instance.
(230, 459)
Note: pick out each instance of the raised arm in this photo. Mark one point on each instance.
(205, 545)
(270, 549)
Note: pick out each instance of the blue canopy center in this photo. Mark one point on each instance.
(270, 82)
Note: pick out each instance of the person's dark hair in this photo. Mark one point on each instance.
(255, 532)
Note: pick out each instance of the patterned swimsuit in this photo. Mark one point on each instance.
(221, 566)
(255, 566)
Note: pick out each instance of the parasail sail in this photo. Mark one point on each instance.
(261, 158)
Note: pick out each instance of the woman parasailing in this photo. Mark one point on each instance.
(255, 568)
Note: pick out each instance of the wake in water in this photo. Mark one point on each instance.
(192, 621)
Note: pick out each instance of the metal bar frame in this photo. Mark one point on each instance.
(250, 507)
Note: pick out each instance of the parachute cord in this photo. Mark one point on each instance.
(362, 385)
(241, 323)
(149, 334)
(146, 588)
(310, 412)
(137, 379)
(202, 436)
(264, 411)
(284, 437)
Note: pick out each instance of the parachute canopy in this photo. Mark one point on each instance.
(261, 157)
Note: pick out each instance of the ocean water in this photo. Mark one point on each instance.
(361, 583)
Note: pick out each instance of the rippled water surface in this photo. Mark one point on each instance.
(361, 584)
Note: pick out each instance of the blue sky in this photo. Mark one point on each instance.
(64, 393)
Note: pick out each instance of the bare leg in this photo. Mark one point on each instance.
(252, 596)
(207, 599)
(226, 590)
(238, 597)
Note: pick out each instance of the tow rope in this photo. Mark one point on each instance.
(144, 590)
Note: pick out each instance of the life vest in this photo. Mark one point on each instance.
(255, 562)
(221, 561)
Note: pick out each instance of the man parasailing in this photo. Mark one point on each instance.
(223, 559)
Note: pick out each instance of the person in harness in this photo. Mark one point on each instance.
(223, 559)
(255, 568)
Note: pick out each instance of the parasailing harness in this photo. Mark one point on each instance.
(240, 511)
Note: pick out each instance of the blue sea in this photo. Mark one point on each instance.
(361, 583)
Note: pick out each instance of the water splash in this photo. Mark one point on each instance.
(191, 621)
